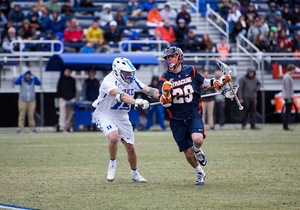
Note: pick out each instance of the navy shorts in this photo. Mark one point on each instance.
(183, 129)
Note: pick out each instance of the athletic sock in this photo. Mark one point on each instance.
(196, 149)
(133, 171)
(198, 169)
(113, 162)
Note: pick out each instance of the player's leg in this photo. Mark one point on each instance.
(210, 114)
(62, 114)
(112, 149)
(22, 112)
(31, 110)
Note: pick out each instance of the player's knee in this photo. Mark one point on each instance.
(130, 149)
(198, 139)
(113, 138)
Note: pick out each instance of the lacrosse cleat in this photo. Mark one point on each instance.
(138, 178)
(201, 157)
(111, 172)
(200, 178)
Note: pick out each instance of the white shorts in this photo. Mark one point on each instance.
(108, 124)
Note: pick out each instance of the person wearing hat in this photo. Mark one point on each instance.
(251, 10)
(256, 29)
(296, 15)
(184, 14)
(27, 101)
(26, 32)
(287, 15)
(16, 15)
(168, 13)
(67, 9)
(106, 15)
(279, 22)
(52, 5)
(270, 15)
(224, 10)
(112, 34)
(11, 36)
(249, 85)
(223, 49)
(46, 46)
(180, 32)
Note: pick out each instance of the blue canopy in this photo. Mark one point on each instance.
(97, 61)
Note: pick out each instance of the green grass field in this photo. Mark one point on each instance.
(246, 170)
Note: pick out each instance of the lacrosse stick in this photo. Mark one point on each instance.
(225, 70)
(226, 93)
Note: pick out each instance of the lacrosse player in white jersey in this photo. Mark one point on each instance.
(112, 106)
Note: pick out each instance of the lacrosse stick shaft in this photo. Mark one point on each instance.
(235, 97)
(203, 96)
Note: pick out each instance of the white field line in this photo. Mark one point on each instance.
(3, 206)
(165, 143)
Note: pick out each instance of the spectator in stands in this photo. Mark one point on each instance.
(279, 22)
(66, 91)
(270, 16)
(208, 104)
(133, 8)
(74, 32)
(223, 49)
(296, 41)
(249, 85)
(264, 24)
(34, 11)
(3, 19)
(112, 34)
(87, 4)
(296, 15)
(104, 48)
(206, 44)
(106, 15)
(52, 5)
(58, 36)
(287, 15)
(55, 23)
(240, 27)
(167, 32)
(191, 42)
(292, 3)
(26, 32)
(180, 32)
(288, 42)
(155, 46)
(16, 15)
(219, 107)
(66, 9)
(5, 6)
(169, 13)
(4, 32)
(95, 33)
(288, 94)
(184, 14)
(134, 46)
(278, 3)
(250, 21)
(154, 18)
(273, 41)
(11, 36)
(122, 20)
(257, 28)
(88, 47)
(159, 109)
(148, 5)
(251, 10)
(261, 43)
(224, 10)
(27, 102)
(46, 46)
(34, 23)
(281, 47)
(233, 17)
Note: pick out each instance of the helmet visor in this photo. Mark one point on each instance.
(127, 76)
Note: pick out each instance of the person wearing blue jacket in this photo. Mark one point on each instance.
(55, 23)
(134, 46)
(27, 102)
(88, 48)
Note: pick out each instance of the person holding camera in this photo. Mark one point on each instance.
(11, 36)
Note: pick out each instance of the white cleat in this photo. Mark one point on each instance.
(111, 172)
(138, 178)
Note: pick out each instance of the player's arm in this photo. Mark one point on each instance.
(126, 98)
(151, 92)
(215, 83)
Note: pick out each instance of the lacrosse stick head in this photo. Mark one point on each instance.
(225, 69)
(229, 94)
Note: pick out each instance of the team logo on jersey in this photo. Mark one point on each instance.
(182, 82)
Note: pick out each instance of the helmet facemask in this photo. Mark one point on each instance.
(123, 70)
(178, 58)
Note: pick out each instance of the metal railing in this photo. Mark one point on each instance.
(145, 42)
(20, 52)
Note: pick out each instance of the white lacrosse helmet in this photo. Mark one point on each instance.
(123, 70)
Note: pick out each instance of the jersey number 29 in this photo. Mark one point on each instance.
(184, 94)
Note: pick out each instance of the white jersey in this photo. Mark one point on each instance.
(106, 104)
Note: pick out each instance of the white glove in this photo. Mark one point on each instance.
(142, 103)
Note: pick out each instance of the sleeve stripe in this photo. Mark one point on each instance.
(194, 71)
(138, 85)
(163, 79)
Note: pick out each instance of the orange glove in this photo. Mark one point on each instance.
(167, 87)
(218, 84)
(165, 100)
(226, 79)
